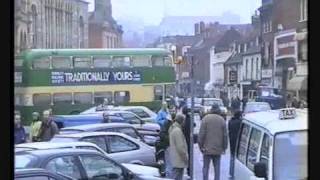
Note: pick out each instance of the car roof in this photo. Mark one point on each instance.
(79, 116)
(212, 99)
(98, 126)
(270, 121)
(52, 145)
(85, 134)
(60, 152)
(254, 102)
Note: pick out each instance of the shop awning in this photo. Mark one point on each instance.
(297, 83)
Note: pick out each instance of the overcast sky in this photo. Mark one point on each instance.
(152, 11)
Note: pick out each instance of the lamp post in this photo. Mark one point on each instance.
(192, 118)
(173, 50)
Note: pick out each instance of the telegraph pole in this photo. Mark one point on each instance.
(192, 119)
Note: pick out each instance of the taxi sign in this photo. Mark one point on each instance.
(287, 113)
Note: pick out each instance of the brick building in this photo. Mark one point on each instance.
(104, 32)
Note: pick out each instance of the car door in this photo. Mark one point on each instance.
(123, 150)
(65, 165)
(100, 168)
(248, 152)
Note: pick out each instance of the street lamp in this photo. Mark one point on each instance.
(173, 49)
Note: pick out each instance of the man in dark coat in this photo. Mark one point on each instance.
(19, 131)
(233, 129)
(186, 131)
(48, 127)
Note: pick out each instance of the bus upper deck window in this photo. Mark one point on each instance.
(102, 62)
(61, 62)
(141, 61)
(121, 62)
(18, 62)
(157, 61)
(41, 63)
(168, 61)
(83, 62)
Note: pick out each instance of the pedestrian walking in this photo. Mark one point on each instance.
(235, 104)
(213, 141)
(295, 102)
(164, 145)
(186, 131)
(178, 149)
(19, 131)
(233, 129)
(35, 127)
(48, 127)
(244, 102)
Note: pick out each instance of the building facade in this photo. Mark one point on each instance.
(50, 24)
(104, 32)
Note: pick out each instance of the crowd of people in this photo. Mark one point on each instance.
(213, 138)
(41, 128)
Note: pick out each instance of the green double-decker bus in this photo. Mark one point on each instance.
(71, 80)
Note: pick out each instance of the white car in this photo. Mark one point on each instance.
(138, 169)
(208, 102)
(118, 146)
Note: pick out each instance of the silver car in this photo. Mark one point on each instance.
(138, 169)
(118, 146)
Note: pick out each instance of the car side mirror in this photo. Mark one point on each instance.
(260, 170)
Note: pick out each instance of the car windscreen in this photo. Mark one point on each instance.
(291, 155)
(63, 139)
(256, 108)
(23, 160)
(210, 102)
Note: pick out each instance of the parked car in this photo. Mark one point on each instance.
(127, 129)
(207, 104)
(121, 147)
(256, 107)
(38, 174)
(78, 164)
(141, 111)
(197, 104)
(78, 145)
(76, 120)
(112, 116)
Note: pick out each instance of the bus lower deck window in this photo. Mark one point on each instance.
(61, 63)
(83, 62)
(82, 98)
(62, 98)
(102, 62)
(42, 99)
(100, 96)
(41, 64)
(121, 96)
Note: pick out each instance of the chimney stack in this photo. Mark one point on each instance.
(202, 27)
(196, 29)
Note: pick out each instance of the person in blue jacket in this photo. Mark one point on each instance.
(163, 115)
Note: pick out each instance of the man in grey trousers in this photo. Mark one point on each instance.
(213, 141)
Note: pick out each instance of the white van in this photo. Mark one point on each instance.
(273, 145)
